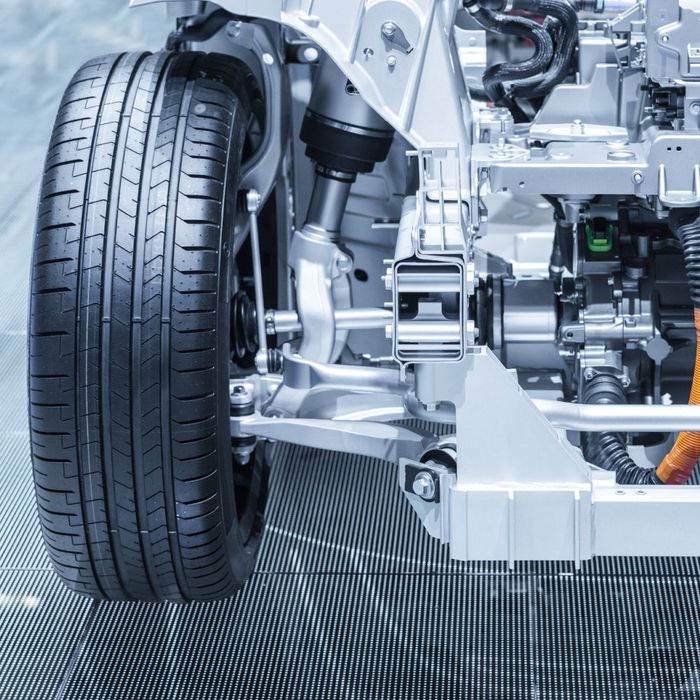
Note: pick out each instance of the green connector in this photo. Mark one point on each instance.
(599, 241)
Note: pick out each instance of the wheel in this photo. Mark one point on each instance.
(138, 494)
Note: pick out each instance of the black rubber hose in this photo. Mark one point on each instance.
(609, 450)
(566, 42)
(686, 226)
(497, 75)
(561, 28)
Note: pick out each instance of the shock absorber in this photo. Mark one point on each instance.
(345, 137)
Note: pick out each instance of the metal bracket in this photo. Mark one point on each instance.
(390, 443)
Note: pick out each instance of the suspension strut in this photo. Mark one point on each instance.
(344, 137)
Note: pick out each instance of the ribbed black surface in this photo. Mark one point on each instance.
(291, 636)
(351, 598)
(41, 625)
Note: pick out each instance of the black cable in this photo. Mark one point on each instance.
(608, 450)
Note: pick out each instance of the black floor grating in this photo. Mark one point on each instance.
(40, 626)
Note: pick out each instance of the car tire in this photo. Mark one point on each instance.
(139, 496)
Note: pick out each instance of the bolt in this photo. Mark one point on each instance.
(240, 395)
(665, 38)
(344, 263)
(310, 54)
(243, 453)
(233, 29)
(695, 108)
(391, 62)
(424, 486)
(589, 374)
(625, 381)
(638, 177)
(389, 29)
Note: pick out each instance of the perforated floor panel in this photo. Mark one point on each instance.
(350, 598)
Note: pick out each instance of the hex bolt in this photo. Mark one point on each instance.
(344, 263)
(695, 108)
(233, 29)
(638, 177)
(240, 395)
(310, 54)
(589, 374)
(424, 486)
(389, 29)
(391, 62)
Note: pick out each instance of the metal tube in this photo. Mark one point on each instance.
(591, 418)
(622, 418)
(328, 203)
(253, 201)
(607, 7)
(429, 331)
(345, 320)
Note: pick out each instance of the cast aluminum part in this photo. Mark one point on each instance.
(517, 488)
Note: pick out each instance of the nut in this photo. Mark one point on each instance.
(241, 395)
(389, 29)
(424, 486)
